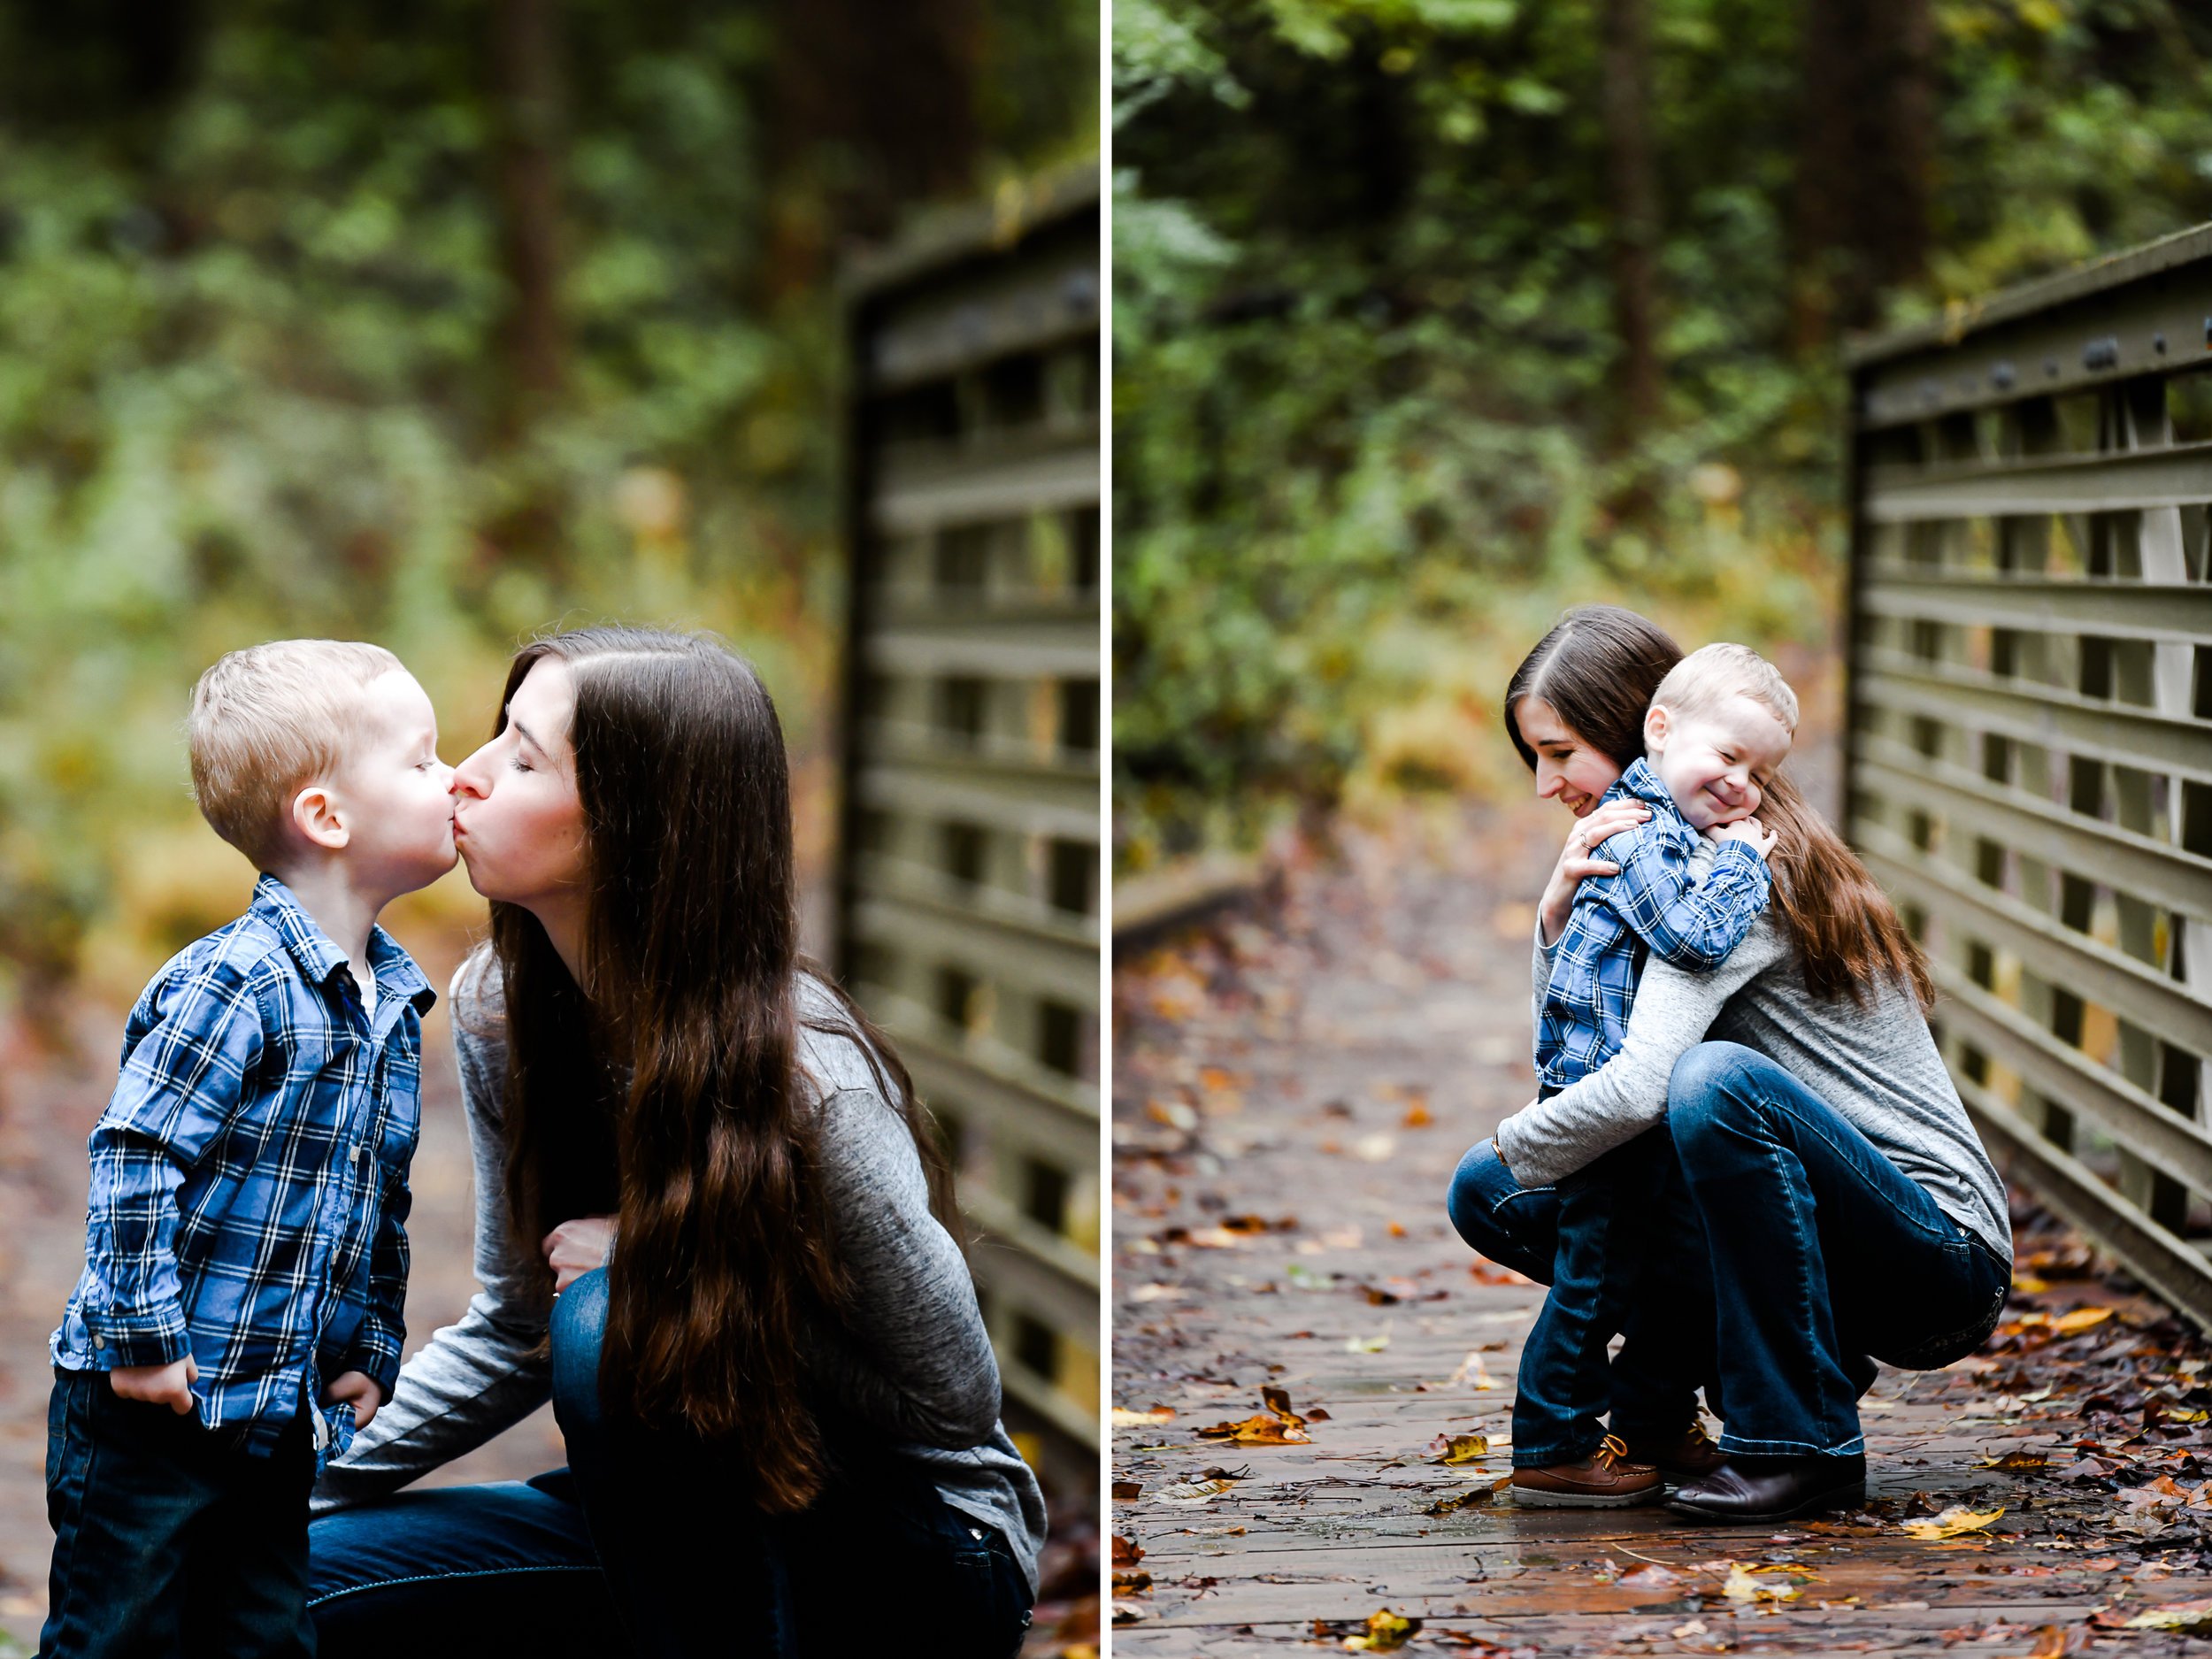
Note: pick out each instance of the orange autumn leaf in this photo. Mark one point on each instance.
(1257, 1431)
(1279, 1425)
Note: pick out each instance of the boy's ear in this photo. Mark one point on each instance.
(315, 814)
(1656, 722)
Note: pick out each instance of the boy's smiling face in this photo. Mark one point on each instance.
(393, 788)
(1716, 764)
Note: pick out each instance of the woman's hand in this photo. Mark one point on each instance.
(1575, 863)
(1761, 840)
(575, 1247)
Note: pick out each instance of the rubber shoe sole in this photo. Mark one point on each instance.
(1850, 1495)
(1542, 1498)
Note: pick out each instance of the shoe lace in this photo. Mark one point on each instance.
(1698, 1440)
(1612, 1450)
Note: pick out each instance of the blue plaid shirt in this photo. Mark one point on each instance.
(1617, 920)
(249, 1175)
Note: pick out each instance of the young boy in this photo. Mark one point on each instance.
(1719, 725)
(239, 1314)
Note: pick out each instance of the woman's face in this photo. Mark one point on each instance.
(515, 818)
(1567, 767)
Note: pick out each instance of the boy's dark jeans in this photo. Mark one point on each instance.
(1822, 1250)
(169, 1539)
(1594, 1239)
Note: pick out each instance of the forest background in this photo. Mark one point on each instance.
(1434, 316)
(436, 322)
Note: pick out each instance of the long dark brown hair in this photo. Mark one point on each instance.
(709, 1151)
(1598, 668)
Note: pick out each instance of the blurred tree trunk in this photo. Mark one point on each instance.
(872, 112)
(1860, 222)
(1631, 185)
(529, 103)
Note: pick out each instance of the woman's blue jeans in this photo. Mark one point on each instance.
(637, 1547)
(1822, 1250)
(1621, 1247)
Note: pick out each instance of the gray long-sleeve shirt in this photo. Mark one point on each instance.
(911, 1358)
(1877, 1065)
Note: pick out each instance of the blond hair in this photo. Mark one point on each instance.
(1711, 675)
(270, 719)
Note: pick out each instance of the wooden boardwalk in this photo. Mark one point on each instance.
(1292, 1091)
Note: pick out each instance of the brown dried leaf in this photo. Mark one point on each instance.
(1127, 1551)
(1132, 1583)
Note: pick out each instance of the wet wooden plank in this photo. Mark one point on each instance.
(1291, 1095)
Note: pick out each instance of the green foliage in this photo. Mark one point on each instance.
(1364, 411)
(252, 383)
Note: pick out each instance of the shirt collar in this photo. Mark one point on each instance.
(319, 954)
(1640, 781)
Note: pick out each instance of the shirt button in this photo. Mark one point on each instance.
(99, 1341)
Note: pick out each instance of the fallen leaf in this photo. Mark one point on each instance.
(1650, 1575)
(2191, 1619)
(1158, 1293)
(1127, 1551)
(1743, 1585)
(1368, 1344)
(1259, 1431)
(1125, 1418)
(1952, 1522)
(2081, 1319)
(1397, 1229)
(1132, 1583)
(1374, 1149)
(1278, 1400)
(1125, 1491)
(2018, 1463)
(1213, 1238)
(1385, 1632)
(1127, 1613)
(1416, 1116)
(1472, 1373)
(1488, 1272)
(1193, 1490)
(1458, 1449)
(1467, 1499)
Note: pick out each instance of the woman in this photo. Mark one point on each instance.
(1846, 1205)
(711, 1225)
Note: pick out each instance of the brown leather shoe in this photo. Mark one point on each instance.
(1689, 1455)
(1603, 1480)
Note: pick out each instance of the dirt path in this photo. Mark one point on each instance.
(1291, 1090)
